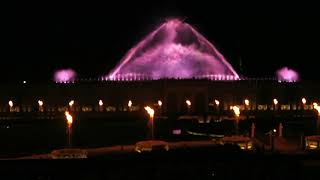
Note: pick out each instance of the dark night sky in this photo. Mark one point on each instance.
(92, 38)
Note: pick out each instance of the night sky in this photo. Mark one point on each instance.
(92, 38)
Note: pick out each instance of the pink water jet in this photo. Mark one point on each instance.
(287, 75)
(173, 50)
(65, 75)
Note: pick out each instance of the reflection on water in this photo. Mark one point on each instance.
(28, 137)
(25, 138)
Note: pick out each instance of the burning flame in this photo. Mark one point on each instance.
(159, 103)
(316, 107)
(246, 102)
(275, 101)
(303, 100)
(150, 111)
(40, 102)
(188, 102)
(10, 103)
(217, 102)
(71, 103)
(100, 102)
(129, 103)
(69, 118)
(236, 110)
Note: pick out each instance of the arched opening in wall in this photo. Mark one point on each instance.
(200, 103)
(172, 103)
(264, 96)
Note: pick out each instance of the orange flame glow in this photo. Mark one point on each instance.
(150, 111)
(188, 102)
(69, 118)
(236, 110)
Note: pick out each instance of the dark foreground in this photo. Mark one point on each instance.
(184, 163)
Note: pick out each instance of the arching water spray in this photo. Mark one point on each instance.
(174, 50)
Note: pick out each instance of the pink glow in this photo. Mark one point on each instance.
(176, 131)
(288, 75)
(173, 50)
(65, 75)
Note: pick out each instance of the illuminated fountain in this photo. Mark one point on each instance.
(287, 75)
(174, 50)
(64, 76)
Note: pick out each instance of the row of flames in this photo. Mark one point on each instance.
(188, 102)
(151, 111)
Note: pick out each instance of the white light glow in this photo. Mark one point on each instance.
(303, 100)
(188, 102)
(71, 103)
(216, 102)
(236, 110)
(150, 111)
(100, 102)
(275, 101)
(40, 102)
(246, 102)
(69, 118)
(10, 103)
(129, 103)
